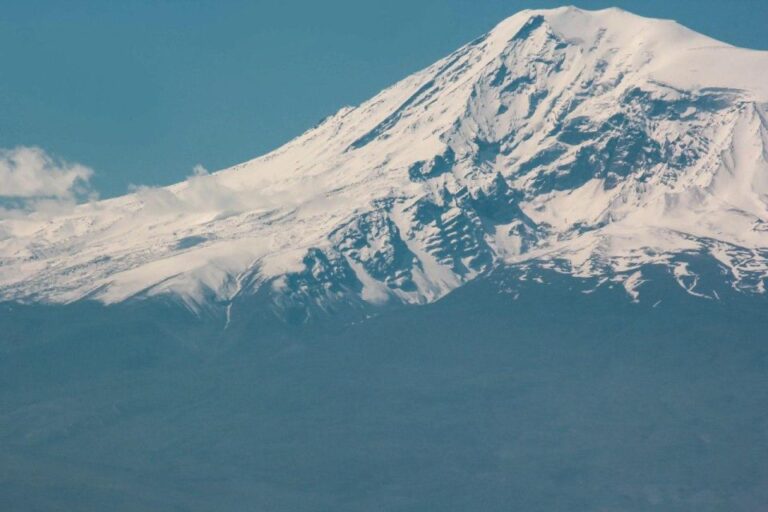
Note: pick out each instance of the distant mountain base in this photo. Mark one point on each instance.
(505, 395)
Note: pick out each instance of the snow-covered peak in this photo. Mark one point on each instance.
(658, 49)
(593, 143)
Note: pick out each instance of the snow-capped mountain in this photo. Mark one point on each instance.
(590, 143)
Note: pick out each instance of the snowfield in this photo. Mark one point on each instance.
(595, 143)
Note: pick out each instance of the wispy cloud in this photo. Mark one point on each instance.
(30, 172)
(200, 192)
(31, 180)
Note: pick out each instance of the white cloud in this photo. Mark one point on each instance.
(34, 182)
(200, 192)
(30, 173)
(203, 192)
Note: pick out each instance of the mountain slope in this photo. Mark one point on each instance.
(591, 143)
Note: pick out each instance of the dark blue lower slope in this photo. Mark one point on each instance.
(556, 400)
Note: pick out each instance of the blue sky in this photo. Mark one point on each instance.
(143, 91)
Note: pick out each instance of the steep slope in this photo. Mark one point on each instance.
(591, 143)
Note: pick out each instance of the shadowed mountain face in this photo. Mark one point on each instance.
(539, 397)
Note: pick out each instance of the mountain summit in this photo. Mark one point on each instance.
(592, 143)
